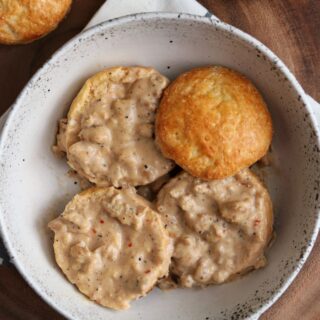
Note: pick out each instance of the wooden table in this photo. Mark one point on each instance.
(291, 28)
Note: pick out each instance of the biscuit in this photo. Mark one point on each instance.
(23, 21)
(111, 245)
(213, 122)
(220, 228)
(109, 137)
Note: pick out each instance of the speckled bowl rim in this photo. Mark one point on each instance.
(217, 24)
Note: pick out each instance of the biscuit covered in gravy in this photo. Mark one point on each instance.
(111, 245)
(109, 136)
(220, 228)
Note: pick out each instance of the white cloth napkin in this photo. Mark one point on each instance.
(116, 8)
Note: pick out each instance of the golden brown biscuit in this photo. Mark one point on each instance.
(23, 21)
(111, 245)
(220, 228)
(213, 122)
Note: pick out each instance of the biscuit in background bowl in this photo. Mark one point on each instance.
(25, 21)
(213, 122)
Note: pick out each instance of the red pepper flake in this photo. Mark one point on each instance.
(148, 271)
(256, 222)
(94, 230)
(101, 221)
(130, 244)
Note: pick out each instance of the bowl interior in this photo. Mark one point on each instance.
(34, 185)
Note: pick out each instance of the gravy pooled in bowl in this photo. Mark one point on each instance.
(111, 245)
(109, 136)
(220, 228)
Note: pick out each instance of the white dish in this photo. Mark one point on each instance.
(34, 186)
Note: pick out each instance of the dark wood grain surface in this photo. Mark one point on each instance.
(291, 28)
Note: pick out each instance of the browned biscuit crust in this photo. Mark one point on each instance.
(23, 21)
(213, 122)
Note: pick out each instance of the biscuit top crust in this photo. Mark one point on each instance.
(110, 132)
(111, 245)
(22, 21)
(220, 228)
(213, 122)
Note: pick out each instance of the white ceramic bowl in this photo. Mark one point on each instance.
(34, 186)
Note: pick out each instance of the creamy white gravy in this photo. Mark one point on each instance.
(111, 245)
(220, 228)
(115, 135)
